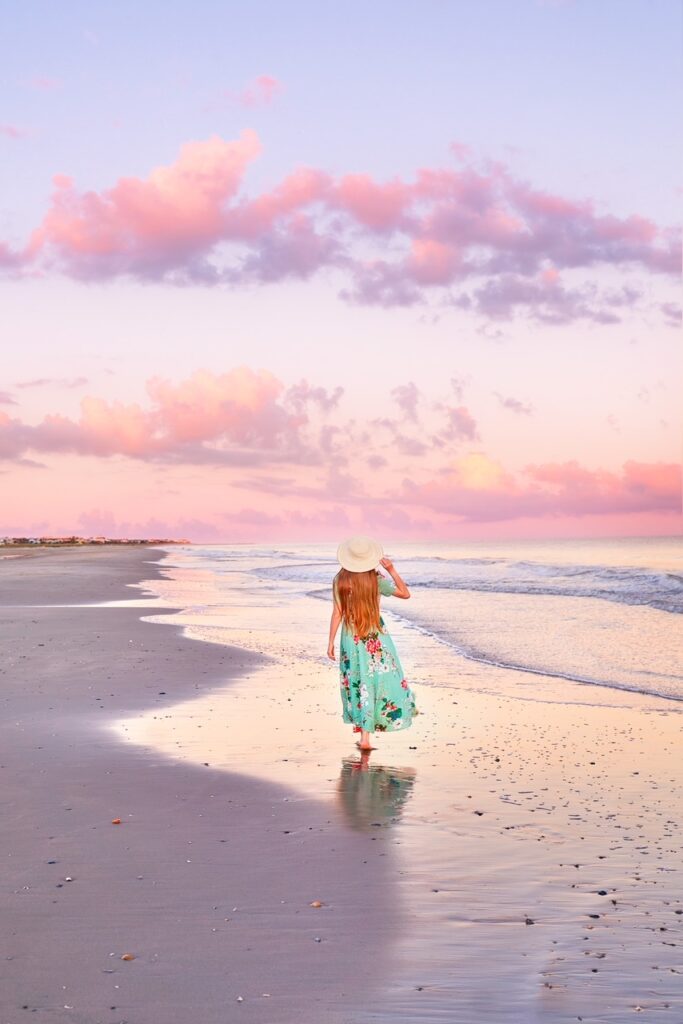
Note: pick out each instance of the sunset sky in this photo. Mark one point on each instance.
(289, 271)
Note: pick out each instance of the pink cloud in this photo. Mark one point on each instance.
(14, 437)
(641, 486)
(248, 220)
(320, 523)
(240, 405)
(432, 262)
(482, 240)
(234, 526)
(291, 447)
(44, 83)
(399, 441)
(242, 525)
(11, 131)
(407, 397)
(11, 261)
(65, 382)
(461, 151)
(99, 522)
(260, 92)
(233, 418)
(376, 206)
(479, 489)
(460, 423)
(151, 227)
(291, 249)
(545, 299)
(407, 445)
(299, 395)
(458, 385)
(514, 404)
(380, 283)
(284, 462)
(672, 313)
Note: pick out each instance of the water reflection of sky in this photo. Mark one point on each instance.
(371, 795)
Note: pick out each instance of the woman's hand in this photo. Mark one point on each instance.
(387, 563)
(330, 652)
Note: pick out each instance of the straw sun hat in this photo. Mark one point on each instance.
(358, 554)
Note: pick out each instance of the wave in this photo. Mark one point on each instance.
(660, 590)
(472, 654)
(672, 603)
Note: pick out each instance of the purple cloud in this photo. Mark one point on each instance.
(480, 240)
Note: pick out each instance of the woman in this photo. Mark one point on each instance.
(375, 694)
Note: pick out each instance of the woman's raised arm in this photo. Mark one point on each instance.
(401, 588)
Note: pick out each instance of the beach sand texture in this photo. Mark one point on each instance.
(513, 857)
(208, 879)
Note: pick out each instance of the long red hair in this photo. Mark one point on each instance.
(358, 597)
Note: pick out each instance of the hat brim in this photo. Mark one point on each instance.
(353, 563)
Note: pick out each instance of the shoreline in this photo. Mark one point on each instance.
(208, 879)
(502, 806)
(495, 812)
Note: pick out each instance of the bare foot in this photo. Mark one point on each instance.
(364, 742)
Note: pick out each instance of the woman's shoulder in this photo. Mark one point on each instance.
(386, 586)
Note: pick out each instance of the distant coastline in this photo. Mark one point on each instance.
(73, 541)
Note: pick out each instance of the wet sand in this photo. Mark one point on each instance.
(532, 827)
(513, 858)
(208, 879)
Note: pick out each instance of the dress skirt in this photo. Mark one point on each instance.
(374, 691)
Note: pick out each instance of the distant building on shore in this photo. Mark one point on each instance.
(73, 540)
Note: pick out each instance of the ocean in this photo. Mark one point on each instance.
(588, 613)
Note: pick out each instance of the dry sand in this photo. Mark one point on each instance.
(208, 879)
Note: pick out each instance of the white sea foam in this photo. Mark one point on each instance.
(602, 613)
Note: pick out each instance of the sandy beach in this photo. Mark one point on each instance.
(208, 879)
(514, 857)
(358, 317)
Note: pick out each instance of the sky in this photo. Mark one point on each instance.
(288, 272)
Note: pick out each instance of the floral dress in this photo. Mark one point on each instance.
(374, 692)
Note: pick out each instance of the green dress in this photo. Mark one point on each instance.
(374, 691)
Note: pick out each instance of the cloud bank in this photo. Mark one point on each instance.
(473, 237)
(293, 453)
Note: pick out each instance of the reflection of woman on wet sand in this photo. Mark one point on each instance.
(370, 794)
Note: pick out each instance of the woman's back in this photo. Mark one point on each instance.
(357, 594)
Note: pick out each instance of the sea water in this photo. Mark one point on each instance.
(591, 613)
